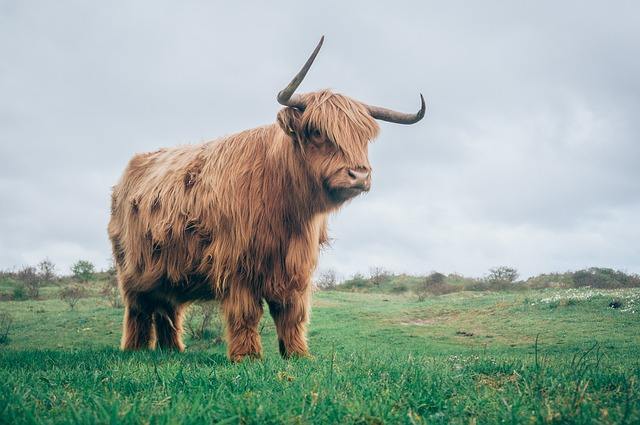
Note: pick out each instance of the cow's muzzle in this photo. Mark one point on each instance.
(360, 179)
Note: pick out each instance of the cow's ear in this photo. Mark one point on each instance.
(290, 121)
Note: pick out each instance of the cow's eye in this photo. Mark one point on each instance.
(316, 133)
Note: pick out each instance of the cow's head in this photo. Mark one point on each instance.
(332, 133)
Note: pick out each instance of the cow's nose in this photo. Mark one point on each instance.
(360, 178)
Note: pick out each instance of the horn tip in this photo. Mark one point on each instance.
(423, 106)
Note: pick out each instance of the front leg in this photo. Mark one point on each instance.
(168, 322)
(242, 311)
(291, 317)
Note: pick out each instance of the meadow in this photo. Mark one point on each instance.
(532, 356)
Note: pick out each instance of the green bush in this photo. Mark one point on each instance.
(357, 282)
(19, 293)
(597, 277)
(477, 285)
(83, 271)
(501, 278)
(399, 288)
(435, 284)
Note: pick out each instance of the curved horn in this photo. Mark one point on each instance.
(286, 96)
(385, 114)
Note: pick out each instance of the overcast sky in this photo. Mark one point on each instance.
(528, 155)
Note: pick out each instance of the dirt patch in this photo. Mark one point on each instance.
(421, 322)
(426, 321)
(324, 303)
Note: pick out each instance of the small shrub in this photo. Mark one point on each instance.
(399, 288)
(110, 289)
(6, 322)
(327, 280)
(30, 280)
(72, 294)
(46, 271)
(203, 322)
(434, 284)
(83, 271)
(19, 293)
(477, 285)
(357, 282)
(378, 276)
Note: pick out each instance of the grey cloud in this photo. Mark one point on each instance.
(528, 154)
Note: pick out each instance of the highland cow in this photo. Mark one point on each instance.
(240, 220)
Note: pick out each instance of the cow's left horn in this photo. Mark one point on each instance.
(286, 96)
(385, 114)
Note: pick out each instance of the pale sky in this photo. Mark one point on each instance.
(528, 155)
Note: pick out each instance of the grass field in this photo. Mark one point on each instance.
(378, 358)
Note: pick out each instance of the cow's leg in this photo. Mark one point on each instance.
(168, 322)
(137, 332)
(242, 310)
(291, 318)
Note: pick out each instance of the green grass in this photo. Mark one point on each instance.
(378, 358)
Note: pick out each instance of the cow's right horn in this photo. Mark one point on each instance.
(286, 96)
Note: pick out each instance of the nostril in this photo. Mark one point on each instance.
(359, 176)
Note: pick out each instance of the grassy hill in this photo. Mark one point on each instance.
(465, 357)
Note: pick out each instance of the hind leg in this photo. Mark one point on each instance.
(137, 332)
(168, 323)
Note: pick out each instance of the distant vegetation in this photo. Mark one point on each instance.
(41, 281)
(28, 281)
(497, 279)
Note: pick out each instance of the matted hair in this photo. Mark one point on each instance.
(232, 205)
(240, 219)
(346, 121)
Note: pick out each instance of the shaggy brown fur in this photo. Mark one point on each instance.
(240, 220)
